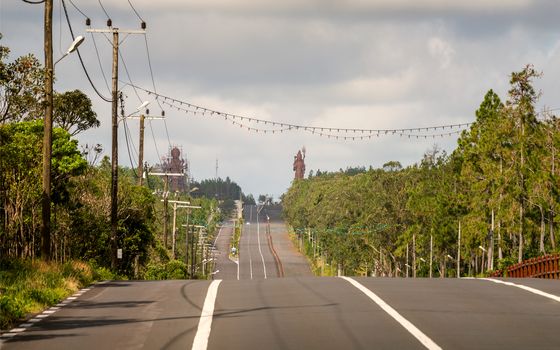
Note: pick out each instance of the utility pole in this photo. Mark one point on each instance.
(114, 133)
(459, 252)
(141, 152)
(114, 148)
(175, 207)
(431, 253)
(165, 209)
(165, 201)
(142, 118)
(414, 255)
(47, 136)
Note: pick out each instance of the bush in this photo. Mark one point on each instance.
(173, 269)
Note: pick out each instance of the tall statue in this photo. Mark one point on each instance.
(299, 164)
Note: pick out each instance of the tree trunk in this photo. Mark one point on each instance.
(543, 229)
(520, 243)
(551, 227)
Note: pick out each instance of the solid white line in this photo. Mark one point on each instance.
(259, 243)
(418, 334)
(17, 330)
(237, 262)
(249, 253)
(205, 323)
(527, 288)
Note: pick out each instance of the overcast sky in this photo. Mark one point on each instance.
(328, 63)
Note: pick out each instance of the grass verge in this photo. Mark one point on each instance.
(28, 287)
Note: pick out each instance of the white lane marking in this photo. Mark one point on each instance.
(25, 325)
(237, 262)
(259, 243)
(527, 288)
(71, 298)
(249, 253)
(205, 323)
(48, 312)
(17, 330)
(33, 320)
(418, 334)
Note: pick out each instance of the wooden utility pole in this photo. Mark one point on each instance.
(175, 207)
(414, 255)
(141, 152)
(459, 252)
(114, 135)
(141, 169)
(431, 253)
(114, 148)
(165, 209)
(47, 136)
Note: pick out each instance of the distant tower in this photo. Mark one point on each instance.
(299, 164)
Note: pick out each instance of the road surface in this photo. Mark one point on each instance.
(259, 310)
(302, 313)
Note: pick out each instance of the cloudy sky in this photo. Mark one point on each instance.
(371, 64)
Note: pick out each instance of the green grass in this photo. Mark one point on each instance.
(28, 287)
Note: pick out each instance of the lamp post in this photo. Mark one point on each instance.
(47, 130)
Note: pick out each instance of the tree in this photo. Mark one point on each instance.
(73, 112)
(21, 87)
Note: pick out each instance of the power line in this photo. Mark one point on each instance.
(154, 139)
(103, 8)
(136, 12)
(77, 9)
(99, 61)
(34, 2)
(80, 56)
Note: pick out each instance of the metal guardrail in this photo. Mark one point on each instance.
(547, 266)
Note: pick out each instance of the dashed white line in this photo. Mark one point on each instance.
(205, 323)
(418, 334)
(527, 288)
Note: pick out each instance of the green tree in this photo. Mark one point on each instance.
(21, 87)
(73, 112)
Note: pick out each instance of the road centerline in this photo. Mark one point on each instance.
(205, 323)
(412, 329)
(524, 287)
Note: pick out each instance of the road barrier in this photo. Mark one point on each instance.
(547, 266)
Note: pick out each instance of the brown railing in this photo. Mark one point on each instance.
(542, 267)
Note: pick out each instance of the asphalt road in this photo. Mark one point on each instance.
(303, 313)
(256, 260)
(227, 269)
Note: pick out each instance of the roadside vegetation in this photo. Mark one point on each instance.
(80, 249)
(28, 287)
(499, 188)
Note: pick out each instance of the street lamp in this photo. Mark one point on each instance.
(47, 137)
(77, 42)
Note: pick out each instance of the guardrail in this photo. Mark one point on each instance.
(547, 266)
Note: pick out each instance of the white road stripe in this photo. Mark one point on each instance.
(205, 323)
(259, 243)
(418, 334)
(17, 330)
(527, 288)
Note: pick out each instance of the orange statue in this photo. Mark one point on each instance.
(299, 164)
